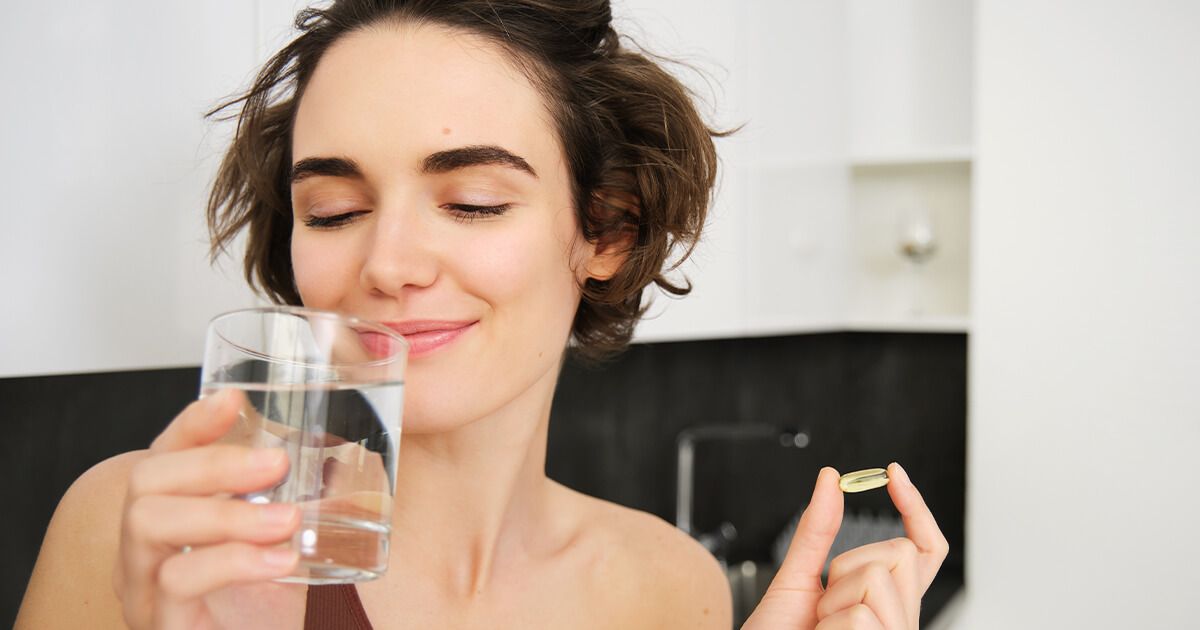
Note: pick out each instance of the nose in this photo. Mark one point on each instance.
(400, 255)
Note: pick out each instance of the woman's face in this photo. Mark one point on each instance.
(429, 192)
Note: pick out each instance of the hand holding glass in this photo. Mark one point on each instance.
(328, 389)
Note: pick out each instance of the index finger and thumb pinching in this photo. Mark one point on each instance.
(202, 422)
(805, 560)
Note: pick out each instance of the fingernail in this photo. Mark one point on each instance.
(828, 470)
(220, 398)
(279, 558)
(902, 475)
(276, 514)
(266, 458)
(817, 485)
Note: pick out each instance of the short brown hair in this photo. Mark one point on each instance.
(641, 159)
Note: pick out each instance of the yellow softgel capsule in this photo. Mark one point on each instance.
(861, 480)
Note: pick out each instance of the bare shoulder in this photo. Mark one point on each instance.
(71, 585)
(677, 583)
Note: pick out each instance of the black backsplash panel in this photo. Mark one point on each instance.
(59, 426)
(864, 399)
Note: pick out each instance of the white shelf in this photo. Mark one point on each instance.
(931, 324)
(932, 155)
(952, 324)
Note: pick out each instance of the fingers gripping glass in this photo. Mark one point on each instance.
(328, 389)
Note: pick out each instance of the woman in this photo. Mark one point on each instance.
(492, 179)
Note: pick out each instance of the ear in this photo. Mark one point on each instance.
(609, 253)
(608, 256)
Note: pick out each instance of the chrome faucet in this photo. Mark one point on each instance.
(718, 541)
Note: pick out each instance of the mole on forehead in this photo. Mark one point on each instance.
(445, 131)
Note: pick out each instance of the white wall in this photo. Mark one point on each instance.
(1085, 357)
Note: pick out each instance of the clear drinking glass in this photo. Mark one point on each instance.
(329, 389)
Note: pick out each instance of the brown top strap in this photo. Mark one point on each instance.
(335, 607)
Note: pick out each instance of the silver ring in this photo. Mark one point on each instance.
(185, 549)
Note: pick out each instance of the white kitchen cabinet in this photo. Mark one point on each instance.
(798, 184)
(105, 163)
(910, 77)
(910, 145)
(712, 43)
(773, 256)
(855, 112)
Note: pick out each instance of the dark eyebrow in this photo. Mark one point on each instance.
(330, 167)
(475, 155)
(440, 162)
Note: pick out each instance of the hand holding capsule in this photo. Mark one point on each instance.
(876, 586)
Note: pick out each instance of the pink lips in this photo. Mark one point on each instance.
(427, 336)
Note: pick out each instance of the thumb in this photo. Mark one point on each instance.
(801, 569)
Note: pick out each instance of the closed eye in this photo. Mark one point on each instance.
(467, 212)
(332, 221)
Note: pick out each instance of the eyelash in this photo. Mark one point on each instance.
(465, 213)
(462, 213)
(331, 222)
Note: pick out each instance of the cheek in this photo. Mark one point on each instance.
(526, 272)
(321, 271)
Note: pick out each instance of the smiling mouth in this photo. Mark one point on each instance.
(426, 337)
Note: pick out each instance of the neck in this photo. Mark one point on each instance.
(468, 499)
